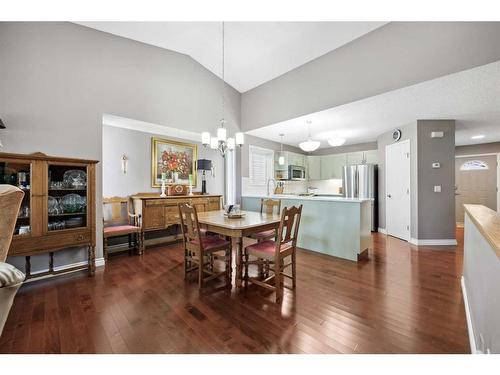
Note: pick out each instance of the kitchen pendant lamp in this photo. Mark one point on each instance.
(309, 145)
(336, 141)
(281, 157)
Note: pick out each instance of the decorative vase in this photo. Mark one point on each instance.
(175, 177)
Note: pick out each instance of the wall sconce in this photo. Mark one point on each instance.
(2, 126)
(124, 160)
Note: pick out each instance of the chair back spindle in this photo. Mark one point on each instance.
(189, 223)
(289, 227)
(116, 211)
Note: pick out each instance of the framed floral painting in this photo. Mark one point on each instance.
(174, 161)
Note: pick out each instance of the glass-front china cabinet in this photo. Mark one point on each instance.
(58, 208)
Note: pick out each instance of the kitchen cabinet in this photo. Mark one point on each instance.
(355, 158)
(296, 159)
(332, 166)
(328, 167)
(371, 157)
(314, 167)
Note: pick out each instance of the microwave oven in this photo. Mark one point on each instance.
(296, 172)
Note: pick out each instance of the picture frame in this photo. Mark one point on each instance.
(176, 159)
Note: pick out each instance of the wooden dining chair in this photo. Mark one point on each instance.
(268, 206)
(118, 221)
(273, 253)
(200, 251)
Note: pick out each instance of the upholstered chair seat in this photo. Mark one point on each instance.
(10, 277)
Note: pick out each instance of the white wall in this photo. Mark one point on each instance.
(137, 146)
(58, 79)
(481, 277)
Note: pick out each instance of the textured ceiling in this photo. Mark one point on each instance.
(471, 97)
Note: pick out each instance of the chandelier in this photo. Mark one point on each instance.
(221, 142)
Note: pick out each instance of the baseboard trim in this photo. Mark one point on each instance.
(382, 230)
(470, 327)
(446, 242)
(99, 262)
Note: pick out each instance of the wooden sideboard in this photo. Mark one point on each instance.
(44, 224)
(161, 213)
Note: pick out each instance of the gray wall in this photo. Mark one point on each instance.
(57, 80)
(483, 148)
(432, 214)
(347, 148)
(394, 56)
(436, 219)
(137, 146)
(407, 132)
(264, 143)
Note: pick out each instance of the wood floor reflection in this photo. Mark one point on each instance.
(402, 300)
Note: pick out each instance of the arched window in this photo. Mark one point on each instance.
(474, 165)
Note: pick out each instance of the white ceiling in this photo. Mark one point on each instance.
(471, 97)
(256, 52)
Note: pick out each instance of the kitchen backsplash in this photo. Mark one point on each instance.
(293, 187)
(326, 186)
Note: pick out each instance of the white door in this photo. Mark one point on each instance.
(476, 183)
(397, 188)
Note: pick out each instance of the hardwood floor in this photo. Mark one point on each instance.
(401, 300)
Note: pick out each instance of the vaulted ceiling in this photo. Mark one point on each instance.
(255, 52)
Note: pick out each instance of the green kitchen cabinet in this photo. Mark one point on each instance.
(296, 159)
(314, 167)
(355, 157)
(332, 166)
(371, 157)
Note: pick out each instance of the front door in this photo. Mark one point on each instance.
(397, 201)
(476, 183)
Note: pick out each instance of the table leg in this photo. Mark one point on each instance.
(239, 262)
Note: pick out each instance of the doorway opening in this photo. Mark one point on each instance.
(476, 182)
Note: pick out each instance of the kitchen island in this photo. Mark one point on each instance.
(330, 225)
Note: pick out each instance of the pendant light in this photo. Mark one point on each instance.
(281, 157)
(309, 145)
(336, 141)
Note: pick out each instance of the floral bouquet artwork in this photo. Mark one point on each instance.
(173, 161)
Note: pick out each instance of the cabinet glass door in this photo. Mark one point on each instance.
(67, 197)
(18, 173)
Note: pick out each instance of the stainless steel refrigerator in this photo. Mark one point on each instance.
(361, 181)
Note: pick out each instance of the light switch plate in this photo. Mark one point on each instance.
(436, 165)
(437, 189)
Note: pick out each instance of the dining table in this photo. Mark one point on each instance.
(237, 228)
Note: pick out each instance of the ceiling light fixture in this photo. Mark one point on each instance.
(221, 142)
(281, 157)
(480, 136)
(309, 145)
(336, 141)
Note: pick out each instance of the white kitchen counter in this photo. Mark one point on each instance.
(308, 198)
